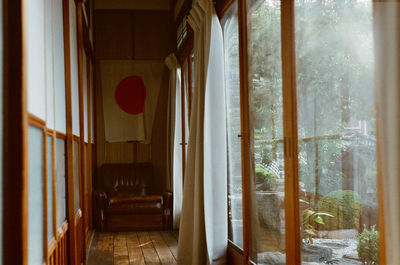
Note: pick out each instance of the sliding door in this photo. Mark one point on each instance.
(309, 194)
(232, 94)
(267, 172)
(336, 129)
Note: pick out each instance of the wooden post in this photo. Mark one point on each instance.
(244, 121)
(69, 140)
(15, 138)
(289, 93)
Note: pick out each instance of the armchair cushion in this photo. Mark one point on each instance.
(126, 198)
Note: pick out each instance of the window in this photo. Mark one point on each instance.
(231, 49)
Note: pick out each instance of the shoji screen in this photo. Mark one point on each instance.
(74, 68)
(92, 110)
(61, 182)
(35, 56)
(85, 95)
(76, 175)
(35, 46)
(59, 70)
(49, 170)
(49, 64)
(35, 199)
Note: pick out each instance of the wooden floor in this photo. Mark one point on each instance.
(134, 248)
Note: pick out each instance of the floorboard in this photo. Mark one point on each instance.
(171, 242)
(134, 248)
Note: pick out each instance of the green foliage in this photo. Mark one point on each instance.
(345, 205)
(310, 219)
(264, 175)
(368, 247)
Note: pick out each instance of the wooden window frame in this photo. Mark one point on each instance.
(15, 140)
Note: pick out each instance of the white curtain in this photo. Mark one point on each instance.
(387, 48)
(203, 228)
(174, 137)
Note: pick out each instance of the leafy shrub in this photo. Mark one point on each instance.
(310, 219)
(367, 246)
(345, 205)
(265, 176)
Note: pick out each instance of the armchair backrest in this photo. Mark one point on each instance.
(136, 178)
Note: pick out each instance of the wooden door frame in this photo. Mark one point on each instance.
(15, 142)
(72, 251)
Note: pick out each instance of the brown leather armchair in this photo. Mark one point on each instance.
(127, 200)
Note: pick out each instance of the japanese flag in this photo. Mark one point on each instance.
(130, 92)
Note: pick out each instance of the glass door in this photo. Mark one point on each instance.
(336, 131)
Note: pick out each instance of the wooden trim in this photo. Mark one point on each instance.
(244, 121)
(223, 6)
(89, 147)
(234, 254)
(36, 121)
(52, 245)
(61, 135)
(63, 229)
(289, 93)
(15, 138)
(82, 173)
(78, 216)
(69, 139)
(54, 184)
(49, 131)
(190, 85)
(44, 179)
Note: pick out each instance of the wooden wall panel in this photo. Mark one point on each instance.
(149, 39)
(114, 35)
(159, 137)
(152, 31)
(133, 5)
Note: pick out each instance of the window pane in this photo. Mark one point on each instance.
(61, 182)
(336, 129)
(49, 165)
(265, 88)
(34, 34)
(74, 68)
(232, 86)
(59, 71)
(35, 202)
(76, 174)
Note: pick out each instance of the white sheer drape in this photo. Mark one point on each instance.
(203, 228)
(387, 47)
(174, 137)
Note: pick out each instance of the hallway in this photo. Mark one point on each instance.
(134, 248)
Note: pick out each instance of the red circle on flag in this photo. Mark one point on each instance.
(130, 95)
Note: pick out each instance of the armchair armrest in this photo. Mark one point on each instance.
(167, 217)
(100, 204)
